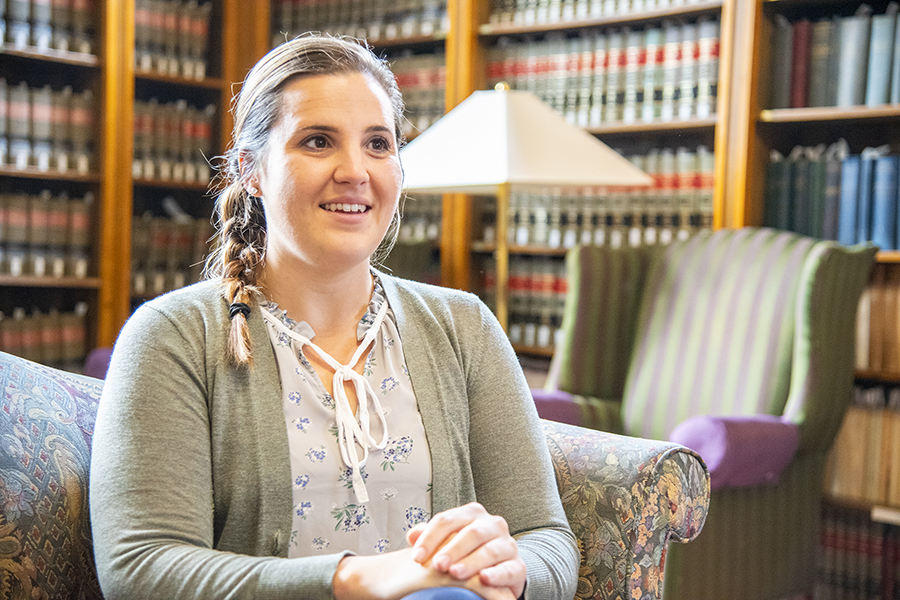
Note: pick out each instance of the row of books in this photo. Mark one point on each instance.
(173, 141)
(360, 18)
(677, 205)
(878, 322)
(623, 75)
(539, 12)
(66, 25)
(824, 191)
(840, 61)
(864, 463)
(167, 252)
(537, 296)
(56, 338)
(421, 78)
(45, 235)
(857, 558)
(46, 129)
(421, 219)
(171, 37)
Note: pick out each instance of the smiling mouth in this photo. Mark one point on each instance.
(346, 208)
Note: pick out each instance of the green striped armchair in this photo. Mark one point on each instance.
(738, 344)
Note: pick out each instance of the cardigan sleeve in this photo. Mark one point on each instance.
(151, 484)
(511, 465)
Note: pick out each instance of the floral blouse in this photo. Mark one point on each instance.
(359, 481)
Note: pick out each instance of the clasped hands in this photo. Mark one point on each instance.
(461, 547)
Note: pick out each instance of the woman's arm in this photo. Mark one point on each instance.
(513, 478)
(151, 493)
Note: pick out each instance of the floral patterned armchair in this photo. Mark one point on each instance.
(626, 498)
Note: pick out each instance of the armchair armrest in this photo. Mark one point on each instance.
(741, 451)
(625, 499)
(583, 411)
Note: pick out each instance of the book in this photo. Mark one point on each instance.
(798, 161)
(615, 76)
(884, 202)
(815, 220)
(635, 57)
(834, 158)
(687, 83)
(653, 75)
(847, 219)
(853, 34)
(801, 41)
(865, 198)
(895, 66)
(707, 72)
(671, 70)
(881, 53)
(822, 56)
(782, 50)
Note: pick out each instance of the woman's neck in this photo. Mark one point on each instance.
(331, 301)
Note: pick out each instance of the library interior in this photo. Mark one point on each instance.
(707, 314)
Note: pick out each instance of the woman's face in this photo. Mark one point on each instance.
(330, 177)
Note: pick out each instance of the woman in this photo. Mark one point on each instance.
(286, 429)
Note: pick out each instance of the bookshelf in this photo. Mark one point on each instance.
(95, 52)
(487, 44)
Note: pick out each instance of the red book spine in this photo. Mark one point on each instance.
(800, 63)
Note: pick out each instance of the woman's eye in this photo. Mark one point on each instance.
(316, 142)
(380, 144)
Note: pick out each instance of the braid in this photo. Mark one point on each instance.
(237, 261)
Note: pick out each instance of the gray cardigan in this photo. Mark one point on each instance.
(190, 476)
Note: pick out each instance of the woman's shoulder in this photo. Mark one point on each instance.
(186, 308)
(429, 295)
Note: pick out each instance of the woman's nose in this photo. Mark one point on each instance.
(350, 167)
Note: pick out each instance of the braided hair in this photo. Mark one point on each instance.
(240, 245)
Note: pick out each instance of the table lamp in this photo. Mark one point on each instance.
(502, 140)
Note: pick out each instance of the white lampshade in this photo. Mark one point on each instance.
(510, 137)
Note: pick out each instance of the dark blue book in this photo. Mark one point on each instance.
(815, 219)
(777, 207)
(864, 206)
(884, 202)
(849, 193)
(834, 159)
(800, 189)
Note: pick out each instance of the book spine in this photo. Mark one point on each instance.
(782, 48)
(881, 53)
(671, 70)
(653, 75)
(853, 44)
(865, 198)
(800, 50)
(821, 56)
(707, 67)
(847, 223)
(687, 87)
(884, 202)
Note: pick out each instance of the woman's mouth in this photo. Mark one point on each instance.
(345, 208)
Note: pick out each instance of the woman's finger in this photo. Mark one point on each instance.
(510, 574)
(493, 552)
(445, 524)
(474, 542)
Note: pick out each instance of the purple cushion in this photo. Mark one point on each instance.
(97, 362)
(556, 406)
(740, 451)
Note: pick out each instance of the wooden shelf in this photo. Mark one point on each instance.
(77, 59)
(654, 127)
(50, 282)
(33, 173)
(212, 83)
(483, 248)
(533, 350)
(879, 376)
(886, 514)
(173, 185)
(888, 256)
(831, 114)
(404, 42)
(490, 30)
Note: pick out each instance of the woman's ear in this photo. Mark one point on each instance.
(249, 180)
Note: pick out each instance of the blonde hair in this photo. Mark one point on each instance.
(240, 249)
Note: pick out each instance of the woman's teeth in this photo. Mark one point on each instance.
(352, 208)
